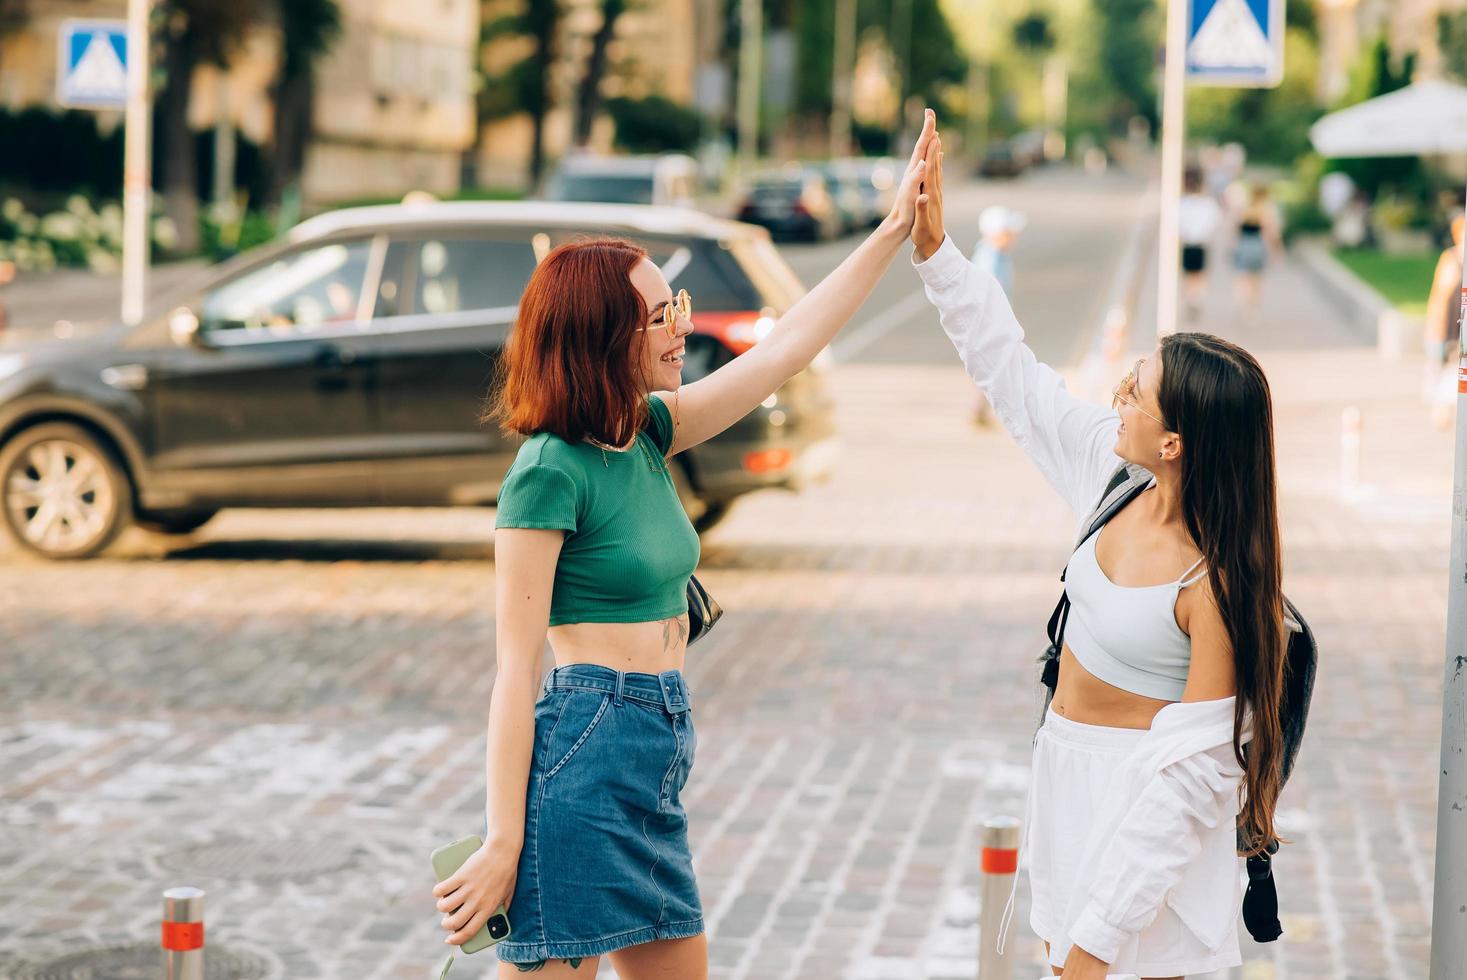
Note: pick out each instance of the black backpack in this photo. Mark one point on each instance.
(1260, 901)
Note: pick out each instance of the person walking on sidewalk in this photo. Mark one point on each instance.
(1258, 238)
(1444, 329)
(586, 839)
(1198, 217)
(999, 228)
(1174, 650)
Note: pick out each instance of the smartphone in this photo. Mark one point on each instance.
(446, 860)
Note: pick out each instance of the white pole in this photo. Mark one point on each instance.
(751, 40)
(1173, 137)
(136, 168)
(1000, 863)
(845, 69)
(1449, 905)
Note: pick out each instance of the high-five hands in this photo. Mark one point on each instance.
(927, 232)
(909, 196)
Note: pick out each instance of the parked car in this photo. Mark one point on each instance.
(347, 366)
(844, 186)
(1001, 160)
(667, 179)
(794, 203)
(875, 180)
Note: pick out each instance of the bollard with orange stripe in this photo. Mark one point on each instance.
(1000, 863)
(183, 934)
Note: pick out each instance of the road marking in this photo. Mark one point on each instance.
(852, 342)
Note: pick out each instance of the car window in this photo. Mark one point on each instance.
(297, 293)
(453, 274)
(605, 188)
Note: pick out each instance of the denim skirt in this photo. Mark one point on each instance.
(605, 863)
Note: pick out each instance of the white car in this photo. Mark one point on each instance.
(668, 179)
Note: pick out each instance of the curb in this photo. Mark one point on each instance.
(1366, 312)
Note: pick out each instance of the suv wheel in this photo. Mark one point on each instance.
(63, 494)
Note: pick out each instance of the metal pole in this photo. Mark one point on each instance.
(1449, 907)
(183, 934)
(1000, 864)
(751, 40)
(1173, 138)
(136, 178)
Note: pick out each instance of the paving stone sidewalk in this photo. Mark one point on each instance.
(288, 711)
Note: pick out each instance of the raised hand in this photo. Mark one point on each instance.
(909, 191)
(927, 230)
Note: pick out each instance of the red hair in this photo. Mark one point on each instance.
(566, 368)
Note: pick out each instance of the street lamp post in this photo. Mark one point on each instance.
(1449, 902)
(1173, 136)
(136, 180)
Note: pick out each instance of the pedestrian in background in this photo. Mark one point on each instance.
(1258, 238)
(1198, 217)
(586, 838)
(1174, 647)
(1000, 228)
(1444, 330)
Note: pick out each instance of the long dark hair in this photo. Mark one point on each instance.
(1215, 396)
(561, 370)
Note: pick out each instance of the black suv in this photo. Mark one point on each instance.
(347, 366)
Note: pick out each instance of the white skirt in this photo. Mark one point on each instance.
(1073, 768)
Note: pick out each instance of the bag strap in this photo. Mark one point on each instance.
(1124, 486)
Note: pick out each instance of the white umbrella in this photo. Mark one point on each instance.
(1427, 117)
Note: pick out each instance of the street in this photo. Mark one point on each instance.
(287, 709)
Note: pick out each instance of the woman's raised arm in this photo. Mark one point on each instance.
(707, 407)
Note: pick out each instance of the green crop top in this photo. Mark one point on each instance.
(629, 547)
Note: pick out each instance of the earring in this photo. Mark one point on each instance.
(1161, 455)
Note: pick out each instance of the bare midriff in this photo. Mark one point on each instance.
(1082, 697)
(634, 648)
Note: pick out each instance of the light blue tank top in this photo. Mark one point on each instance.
(1127, 636)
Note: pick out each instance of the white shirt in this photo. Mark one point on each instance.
(1197, 219)
(1167, 832)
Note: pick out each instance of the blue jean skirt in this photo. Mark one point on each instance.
(605, 863)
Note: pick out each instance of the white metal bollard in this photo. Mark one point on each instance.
(1350, 427)
(183, 934)
(1000, 864)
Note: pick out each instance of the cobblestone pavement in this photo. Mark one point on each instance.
(287, 709)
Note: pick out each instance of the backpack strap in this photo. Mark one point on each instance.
(1122, 488)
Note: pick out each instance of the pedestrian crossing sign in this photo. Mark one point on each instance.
(1235, 43)
(92, 68)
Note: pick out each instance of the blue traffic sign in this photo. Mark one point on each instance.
(92, 68)
(1235, 42)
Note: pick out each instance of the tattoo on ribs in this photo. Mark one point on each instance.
(674, 632)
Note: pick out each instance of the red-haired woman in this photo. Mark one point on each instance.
(586, 842)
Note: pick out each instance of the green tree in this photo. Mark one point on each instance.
(1032, 34)
(1378, 73)
(523, 85)
(308, 29)
(1116, 75)
(1451, 32)
(192, 32)
(1272, 124)
(588, 91)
